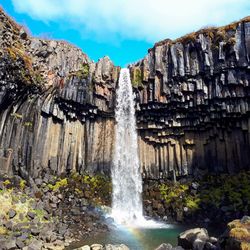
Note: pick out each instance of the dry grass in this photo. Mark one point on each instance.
(19, 52)
(215, 33)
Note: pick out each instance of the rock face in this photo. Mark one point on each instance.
(193, 103)
(57, 106)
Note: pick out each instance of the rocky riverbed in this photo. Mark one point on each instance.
(49, 213)
(53, 212)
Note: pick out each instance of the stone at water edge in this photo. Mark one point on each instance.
(84, 248)
(106, 247)
(199, 244)
(116, 247)
(164, 246)
(188, 237)
(96, 247)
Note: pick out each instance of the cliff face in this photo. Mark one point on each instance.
(194, 101)
(57, 106)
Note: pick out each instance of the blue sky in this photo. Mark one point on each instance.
(122, 29)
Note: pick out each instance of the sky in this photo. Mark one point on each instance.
(122, 29)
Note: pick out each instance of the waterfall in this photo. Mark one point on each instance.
(126, 176)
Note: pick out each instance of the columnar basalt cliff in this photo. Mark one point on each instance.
(194, 102)
(57, 106)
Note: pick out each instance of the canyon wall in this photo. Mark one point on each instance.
(192, 100)
(56, 105)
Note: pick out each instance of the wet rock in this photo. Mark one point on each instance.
(245, 220)
(213, 240)
(84, 248)
(187, 238)
(96, 247)
(116, 247)
(199, 244)
(164, 246)
(210, 246)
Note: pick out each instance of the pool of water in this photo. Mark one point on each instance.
(138, 238)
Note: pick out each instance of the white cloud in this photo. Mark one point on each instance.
(149, 20)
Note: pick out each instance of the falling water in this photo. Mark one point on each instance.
(126, 176)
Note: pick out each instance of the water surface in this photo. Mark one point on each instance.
(138, 238)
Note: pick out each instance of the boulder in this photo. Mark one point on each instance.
(164, 246)
(199, 244)
(116, 247)
(237, 235)
(86, 247)
(187, 238)
(96, 247)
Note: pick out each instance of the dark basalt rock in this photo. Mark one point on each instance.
(192, 100)
(12, 213)
(193, 103)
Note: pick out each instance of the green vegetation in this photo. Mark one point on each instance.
(179, 193)
(59, 184)
(22, 184)
(215, 193)
(232, 190)
(82, 73)
(137, 77)
(11, 199)
(97, 188)
(28, 124)
(27, 74)
(224, 192)
(6, 182)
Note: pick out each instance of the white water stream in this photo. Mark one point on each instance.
(126, 176)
